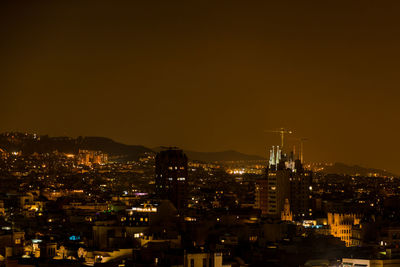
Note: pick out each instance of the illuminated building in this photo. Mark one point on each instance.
(90, 157)
(171, 176)
(286, 214)
(346, 227)
(3, 154)
(347, 262)
(139, 216)
(274, 158)
(2, 210)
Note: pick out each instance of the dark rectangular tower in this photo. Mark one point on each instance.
(300, 192)
(171, 176)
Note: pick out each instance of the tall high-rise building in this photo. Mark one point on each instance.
(286, 181)
(300, 191)
(171, 176)
(261, 196)
(278, 190)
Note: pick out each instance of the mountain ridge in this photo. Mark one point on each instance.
(28, 144)
(355, 170)
(46, 144)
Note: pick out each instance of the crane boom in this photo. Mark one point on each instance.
(282, 132)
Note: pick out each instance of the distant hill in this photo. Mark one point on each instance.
(228, 155)
(46, 144)
(29, 144)
(341, 168)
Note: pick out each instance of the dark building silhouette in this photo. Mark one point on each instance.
(171, 176)
(261, 195)
(278, 191)
(300, 191)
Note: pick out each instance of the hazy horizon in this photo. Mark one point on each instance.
(207, 76)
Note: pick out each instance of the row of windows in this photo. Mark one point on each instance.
(176, 168)
(179, 179)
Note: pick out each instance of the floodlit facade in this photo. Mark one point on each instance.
(346, 227)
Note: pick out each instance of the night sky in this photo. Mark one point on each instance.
(207, 76)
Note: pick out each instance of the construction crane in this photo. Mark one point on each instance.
(301, 149)
(282, 132)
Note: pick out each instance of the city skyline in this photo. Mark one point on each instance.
(99, 147)
(199, 133)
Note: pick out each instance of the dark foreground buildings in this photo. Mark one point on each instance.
(171, 176)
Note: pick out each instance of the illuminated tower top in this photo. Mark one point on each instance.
(274, 158)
